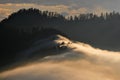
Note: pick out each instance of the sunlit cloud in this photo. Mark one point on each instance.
(82, 63)
(70, 10)
(98, 10)
(7, 9)
(77, 11)
(55, 8)
(4, 11)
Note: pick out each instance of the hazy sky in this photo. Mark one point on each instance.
(68, 7)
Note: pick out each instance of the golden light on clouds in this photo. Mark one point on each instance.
(4, 11)
(78, 11)
(82, 63)
(55, 8)
(8, 8)
(98, 10)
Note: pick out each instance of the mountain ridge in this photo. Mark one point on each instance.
(99, 31)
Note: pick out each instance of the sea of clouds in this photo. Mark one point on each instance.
(82, 62)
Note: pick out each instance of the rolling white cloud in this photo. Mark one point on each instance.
(82, 63)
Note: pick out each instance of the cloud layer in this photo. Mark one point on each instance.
(82, 63)
(108, 4)
(67, 10)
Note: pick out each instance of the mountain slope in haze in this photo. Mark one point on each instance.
(14, 42)
(51, 45)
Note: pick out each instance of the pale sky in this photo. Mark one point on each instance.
(68, 7)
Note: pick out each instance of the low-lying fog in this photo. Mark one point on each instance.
(81, 63)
